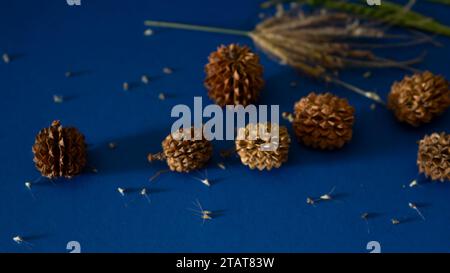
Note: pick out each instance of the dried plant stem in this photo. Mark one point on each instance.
(196, 28)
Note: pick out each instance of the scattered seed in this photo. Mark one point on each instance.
(414, 207)
(367, 75)
(373, 106)
(328, 195)
(121, 191)
(6, 58)
(221, 165)
(125, 86)
(395, 221)
(261, 15)
(94, 170)
(28, 185)
(365, 217)
(309, 201)
(413, 183)
(204, 214)
(145, 194)
(112, 145)
(167, 70)
(58, 99)
(19, 240)
(148, 32)
(161, 96)
(293, 84)
(287, 116)
(68, 74)
(145, 79)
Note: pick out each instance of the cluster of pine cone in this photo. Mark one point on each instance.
(324, 121)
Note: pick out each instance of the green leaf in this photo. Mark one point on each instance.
(388, 12)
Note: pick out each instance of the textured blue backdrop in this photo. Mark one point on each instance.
(262, 211)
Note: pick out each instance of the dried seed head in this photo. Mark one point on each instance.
(419, 98)
(59, 151)
(242, 80)
(323, 121)
(433, 156)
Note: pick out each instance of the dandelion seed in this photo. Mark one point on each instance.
(365, 217)
(125, 86)
(19, 240)
(204, 214)
(221, 165)
(167, 70)
(112, 145)
(413, 183)
(395, 221)
(145, 79)
(68, 74)
(327, 196)
(28, 185)
(161, 96)
(121, 191)
(148, 32)
(414, 207)
(6, 58)
(58, 99)
(145, 194)
(205, 180)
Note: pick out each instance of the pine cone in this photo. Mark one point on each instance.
(182, 154)
(323, 121)
(433, 157)
(234, 76)
(262, 153)
(419, 98)
(59, 152)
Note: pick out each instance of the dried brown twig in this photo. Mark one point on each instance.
(318, 44)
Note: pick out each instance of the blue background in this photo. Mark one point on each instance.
(260, 211)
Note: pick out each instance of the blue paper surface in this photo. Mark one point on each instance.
(103, 42)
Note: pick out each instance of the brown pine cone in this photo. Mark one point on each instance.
(234, 76)
(419, 98)
(433, 157)
(59, 152)
(183, 154)
(323, 121)
(256, 152)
